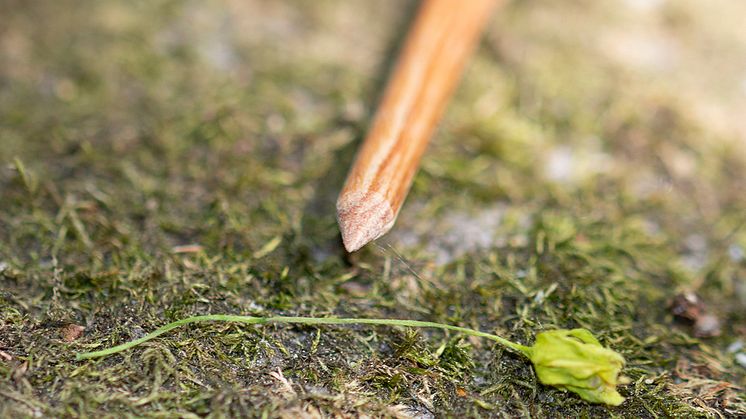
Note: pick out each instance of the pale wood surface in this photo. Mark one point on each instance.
(436, 49)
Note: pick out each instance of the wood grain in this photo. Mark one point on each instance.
(434, 55)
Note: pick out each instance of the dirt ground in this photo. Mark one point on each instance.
(162, 159)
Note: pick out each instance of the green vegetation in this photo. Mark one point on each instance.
(166, 159)
(569, 359)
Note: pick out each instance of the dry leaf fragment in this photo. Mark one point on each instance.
(71, 332)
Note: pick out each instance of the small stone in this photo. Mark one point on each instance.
(741, 359)
(707, 326)
(735, 346)
(736, 253)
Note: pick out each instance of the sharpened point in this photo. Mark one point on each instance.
(363, 218)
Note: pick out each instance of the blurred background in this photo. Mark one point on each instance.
(589, 171)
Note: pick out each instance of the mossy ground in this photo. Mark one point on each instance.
(162, 159)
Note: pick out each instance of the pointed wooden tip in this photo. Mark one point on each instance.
(363, 218)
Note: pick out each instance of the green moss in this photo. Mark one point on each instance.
(132, 130)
